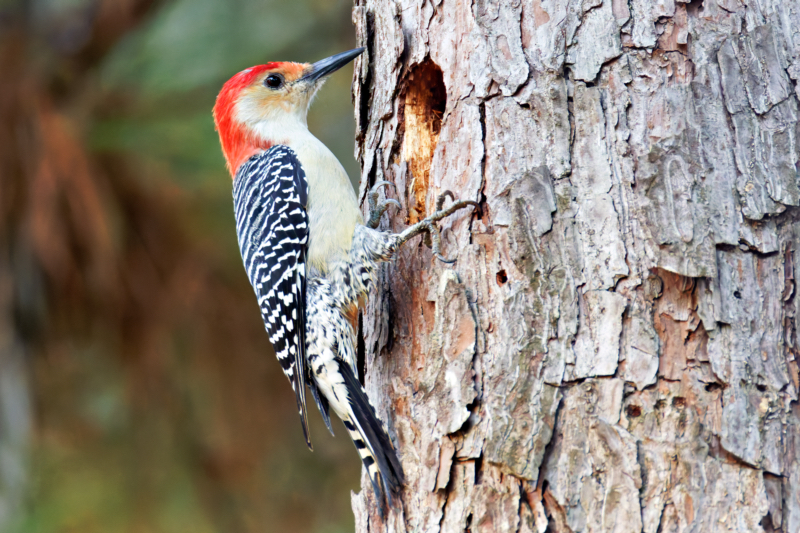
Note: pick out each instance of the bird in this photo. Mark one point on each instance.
(307, 250)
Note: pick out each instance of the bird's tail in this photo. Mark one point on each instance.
(371, 440)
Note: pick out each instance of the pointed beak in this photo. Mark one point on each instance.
(329, 65)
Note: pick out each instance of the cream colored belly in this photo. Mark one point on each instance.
(330, 233)
(332, 205)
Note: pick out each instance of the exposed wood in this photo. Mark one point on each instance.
(616, 347)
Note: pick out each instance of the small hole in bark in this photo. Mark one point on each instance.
(694, 7)
(679, 402)
(633, 411)
(761, 388)
(713, 387)
(737, 295)
(502, 278)
(660, 404)
(423, 111)
(766, 523)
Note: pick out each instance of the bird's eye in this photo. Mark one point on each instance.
(273, 81)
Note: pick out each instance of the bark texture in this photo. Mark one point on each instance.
(615, 349)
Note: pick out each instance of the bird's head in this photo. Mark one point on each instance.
(267, 104)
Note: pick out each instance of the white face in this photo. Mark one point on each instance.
(276, 103)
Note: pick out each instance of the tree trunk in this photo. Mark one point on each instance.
(615, 348)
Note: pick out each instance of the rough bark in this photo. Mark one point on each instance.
(615, 348)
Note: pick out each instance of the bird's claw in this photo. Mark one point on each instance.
(376, 208)
(428, 225)
(442, 197)
(436, 242)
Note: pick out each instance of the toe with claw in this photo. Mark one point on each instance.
(429, 226)
(378, 208)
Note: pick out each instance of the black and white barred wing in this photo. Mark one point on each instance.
(270, 196)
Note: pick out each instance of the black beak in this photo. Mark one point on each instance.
(329, 65)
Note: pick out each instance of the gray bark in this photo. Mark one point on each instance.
(615, 349)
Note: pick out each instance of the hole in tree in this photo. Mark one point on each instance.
(713, 387)
(694, 7)
(502, 278)
(679, 402)
(479, 470)
(761, 388)
(425, 102)
(633, 411)
(366, 86)
(766, 523)
(737, 295)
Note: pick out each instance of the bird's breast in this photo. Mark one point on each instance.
(333, 210)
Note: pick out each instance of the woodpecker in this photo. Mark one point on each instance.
(306, 248)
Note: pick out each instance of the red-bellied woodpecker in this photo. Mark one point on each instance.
(305, 247)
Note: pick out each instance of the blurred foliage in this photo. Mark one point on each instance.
(156, 401)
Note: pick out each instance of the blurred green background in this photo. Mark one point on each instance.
(138, 390)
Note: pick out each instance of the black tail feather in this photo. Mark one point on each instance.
(322, 403)
(392, 477)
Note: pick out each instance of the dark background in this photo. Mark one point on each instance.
(138, 390)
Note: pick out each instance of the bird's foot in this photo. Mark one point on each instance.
(428, 225)
(378, 208)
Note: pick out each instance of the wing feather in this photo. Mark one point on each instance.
(270, 198)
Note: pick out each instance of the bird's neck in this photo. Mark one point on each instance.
(240, 145)
(261, 135)
(287, 129)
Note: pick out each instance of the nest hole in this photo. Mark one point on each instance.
(425, 103)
